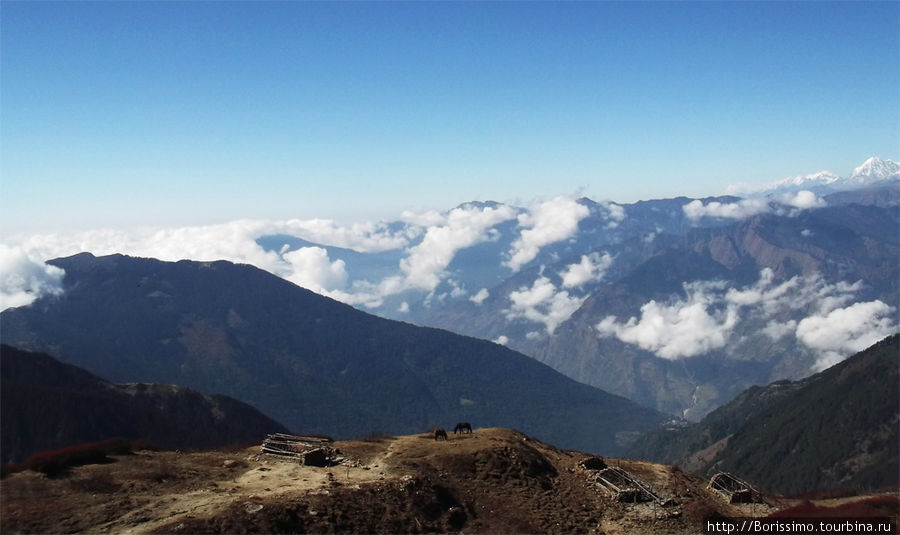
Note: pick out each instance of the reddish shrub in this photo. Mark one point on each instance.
(825, 494)
(56, 462)
(876, 506)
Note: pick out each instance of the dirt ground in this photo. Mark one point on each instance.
(491, 481)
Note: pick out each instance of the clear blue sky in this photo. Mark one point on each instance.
(117, 114)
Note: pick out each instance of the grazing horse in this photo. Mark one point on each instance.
(462, 427)
(440, 434)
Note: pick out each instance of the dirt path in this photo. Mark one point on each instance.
(265, 476)
(493, 480)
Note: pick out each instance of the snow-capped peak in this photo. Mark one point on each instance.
(822, 177)
(871, 171)
(875, 169)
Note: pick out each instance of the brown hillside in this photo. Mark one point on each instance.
(492, 481)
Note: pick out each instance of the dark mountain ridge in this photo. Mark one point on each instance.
(838, 428)
(313, 363)
(45, 405)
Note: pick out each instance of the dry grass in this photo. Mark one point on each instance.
(494, 480)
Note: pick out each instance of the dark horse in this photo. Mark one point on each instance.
(462, 427)
(440, 434)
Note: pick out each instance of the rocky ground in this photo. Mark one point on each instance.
(492, 481)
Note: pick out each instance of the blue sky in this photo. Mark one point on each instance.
(123, 114)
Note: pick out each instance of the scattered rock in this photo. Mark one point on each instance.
(253, 507)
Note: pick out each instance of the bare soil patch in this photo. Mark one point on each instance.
(491, 481)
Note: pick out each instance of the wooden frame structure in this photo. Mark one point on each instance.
(309, 449)
(626, 487)
(734, 489)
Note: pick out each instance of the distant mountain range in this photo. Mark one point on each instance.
(47, 405)
(679, 304)
(835, 429)
(308, 361)
(684, 317)
(872, 171)
(676, 304)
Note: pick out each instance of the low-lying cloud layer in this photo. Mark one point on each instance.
(235, 241)
(591, 268)
(818, 315)
(429, 240)
(543, 303)
(734, 210)
(684, 328)
(23, 279)
(844, 331)
(786, 204)
(463, 227)
(548, 222)
(546, 304)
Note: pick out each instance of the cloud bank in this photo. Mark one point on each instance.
(548, 222)
(681, 329)
(780, 204)
(820, 316)
(424, 266)
(23, 279)
(543, 303)
(312, 269)
(844, 331)
(235, 241)
(736, 210)
(591, 268)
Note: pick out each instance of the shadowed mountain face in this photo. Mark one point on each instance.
(45, 405)
(838, 428)
(310, 362)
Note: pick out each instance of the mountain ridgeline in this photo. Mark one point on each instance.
(47, 405)
(312, 363)
(852, 242)
(838, 428)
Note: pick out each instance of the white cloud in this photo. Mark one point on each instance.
(479, 297)
(803, 200)
(591, 268)
(744, 208)
(542, 303)
(431, 218)
(464, 227)
(776, 329)
(684, 328)
(403, 308)
(763, 292)
(817, 314)
(548, 222)
(363, 237)
(23, 279)
(837, 334)
(736, 210)
(312, 269)
(235, 241)
(615, 215)
(456, 290)
(502, 340)
(823, 177)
